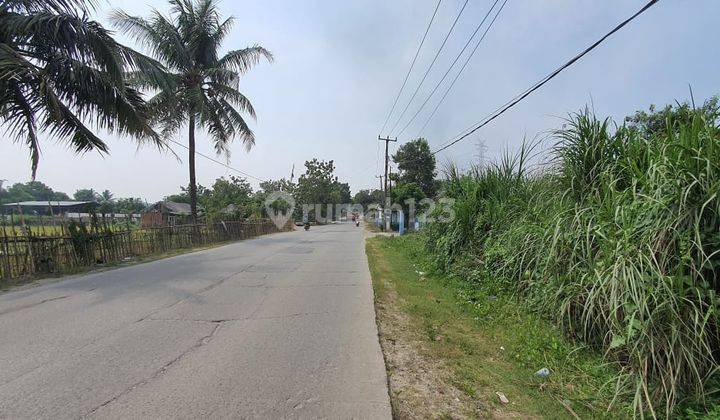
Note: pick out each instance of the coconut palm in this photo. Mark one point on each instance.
(60, 71)
(204, 91)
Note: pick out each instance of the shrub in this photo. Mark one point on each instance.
(618, 240)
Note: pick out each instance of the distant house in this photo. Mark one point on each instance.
(166, 213)
(49, 207)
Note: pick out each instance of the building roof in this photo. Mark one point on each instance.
(52, 203)
(57, 206)
(170, 207)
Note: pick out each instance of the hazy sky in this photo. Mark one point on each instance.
(338, 66)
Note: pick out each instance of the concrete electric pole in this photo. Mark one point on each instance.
(387, 141)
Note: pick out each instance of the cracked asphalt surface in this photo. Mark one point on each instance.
(275, 327)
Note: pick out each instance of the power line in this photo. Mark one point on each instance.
(218, 162)
(546, 79)
(437, 86)
(411, 66)
(402, 114)
(457, 76)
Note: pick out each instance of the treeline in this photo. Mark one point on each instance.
(38, 191)
(318, 184)
(616, 239)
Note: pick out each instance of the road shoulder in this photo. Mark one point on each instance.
(449, 353)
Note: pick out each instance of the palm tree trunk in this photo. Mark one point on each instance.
(191, 163)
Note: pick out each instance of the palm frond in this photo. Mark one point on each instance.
(19, 112)
(54, 6)
(223, 77)
(168, 111)
(234, 97)
(221, 31)
(218, 126)
(61, 122)
(246, 135)
(159, 35)
(151, 71)
(243, 60)
(37, 34)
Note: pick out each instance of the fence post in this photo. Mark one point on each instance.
(28, 235)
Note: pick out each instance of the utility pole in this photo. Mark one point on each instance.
(381, 181)
(387, 141)
(390, 181)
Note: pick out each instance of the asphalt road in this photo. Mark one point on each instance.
(275, 327)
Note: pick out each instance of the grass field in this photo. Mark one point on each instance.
(51, 230)
(481, 345)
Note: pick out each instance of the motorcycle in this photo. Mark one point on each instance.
(307, 226)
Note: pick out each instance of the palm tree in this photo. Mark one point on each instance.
(86, 194)
(204, 91)
(59, 71)
(106, 196)
(107, 202)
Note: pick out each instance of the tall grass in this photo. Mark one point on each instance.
(618, 241)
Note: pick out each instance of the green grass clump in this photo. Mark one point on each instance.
(617, 241)
(491, 343)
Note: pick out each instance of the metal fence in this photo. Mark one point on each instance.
(31, 250)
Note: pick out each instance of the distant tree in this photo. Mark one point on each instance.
(226, 191)
(269, 187)
(60, 70)
(340, 193)
(655, 121)
(107, 203)
(281, 184)
(106, 195)
(4, 194)
(184, 195)
(60, 196)
(86, 194)
(30, 191)
(129, 205)
(205, 85)
(367, 197)
(403, 192)
(232, 190)
(417, 165)
(320, 185)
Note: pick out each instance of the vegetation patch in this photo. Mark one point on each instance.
(616, 241)
(450, 347)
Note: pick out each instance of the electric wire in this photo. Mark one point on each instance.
(544, 80)
(218, 162)
(402, 114)
(412, 64)
(437, 86)
(457, 76)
